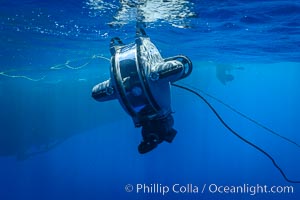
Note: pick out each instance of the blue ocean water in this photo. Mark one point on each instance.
(56, 142)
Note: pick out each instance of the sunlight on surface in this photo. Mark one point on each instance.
(174, 12)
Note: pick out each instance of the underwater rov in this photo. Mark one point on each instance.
(140, 80)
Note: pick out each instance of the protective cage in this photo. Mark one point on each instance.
(140, 79)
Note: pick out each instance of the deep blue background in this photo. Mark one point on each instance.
(56, 142)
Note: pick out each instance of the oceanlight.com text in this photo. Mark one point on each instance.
(250, 189)
(176, 188)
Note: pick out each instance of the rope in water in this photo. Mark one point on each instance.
(237, 135)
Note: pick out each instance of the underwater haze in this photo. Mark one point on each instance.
(57, 142)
